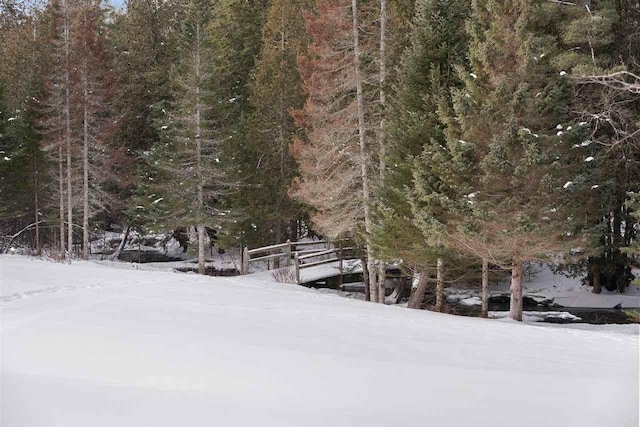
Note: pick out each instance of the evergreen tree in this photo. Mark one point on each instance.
(92, 115)
(438, 43)
(275, 91)
(341, 123)
(186, 181)
(24, 166)
(596, 41)
(58, 115)
(508, 164)
(145, 48)
(236, 29)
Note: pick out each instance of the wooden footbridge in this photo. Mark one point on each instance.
(311, 261)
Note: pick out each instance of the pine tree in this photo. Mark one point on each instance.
(236, 28)
(186, 181)
(90, 80)
(596, 41)
(509, 163)
(328, 155)
(56, 116)
(145, 48)
(337, 155)
(23, 64)
(438, 43)
(276, 90)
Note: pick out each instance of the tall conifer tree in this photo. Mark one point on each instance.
(597, 40)
(275, 92)
(186, 181)
(509, 164)
(438, 43)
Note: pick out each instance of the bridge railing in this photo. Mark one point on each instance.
(281, 251)
(303, 255)
(299, 263)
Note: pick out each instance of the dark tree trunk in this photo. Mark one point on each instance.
(278, 237)
(595, 279)
(293, 230)
(365, 279)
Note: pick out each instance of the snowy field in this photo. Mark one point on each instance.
(89, 345)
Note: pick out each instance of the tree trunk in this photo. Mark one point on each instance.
(382, 267)
(293, 230)
(199, 174)
(420, 284)
(201, 249)
(61, 201)
(36, 184)
(85, 165)
(278, 237)
(67, 113)
(364, 161)
(439, 285)
(595, 271)
(123, 243)
(383, 77)
(365, 279)
(373, 283)
(15, 236)
(382, 276)
(36, 208)
(485, 288)
(515, 309)
(69, 204)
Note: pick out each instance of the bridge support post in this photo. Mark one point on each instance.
(288, 257)
(245, 261)
(297, 262)
(340, 267)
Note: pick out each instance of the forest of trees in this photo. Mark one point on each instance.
(448, 136)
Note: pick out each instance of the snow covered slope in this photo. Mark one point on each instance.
(86, 345)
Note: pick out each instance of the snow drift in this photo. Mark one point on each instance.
(85, 344)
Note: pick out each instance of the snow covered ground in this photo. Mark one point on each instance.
(545, 285)
(88, 344)
(569, 292)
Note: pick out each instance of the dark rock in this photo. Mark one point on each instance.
(145, 256)
(211, 271)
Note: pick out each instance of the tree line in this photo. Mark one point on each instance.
(446, 136)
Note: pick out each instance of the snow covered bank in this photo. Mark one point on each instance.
(85, 344)
(536, 316)
(569, 292)
(545, 287)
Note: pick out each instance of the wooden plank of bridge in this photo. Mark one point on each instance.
(267, 248)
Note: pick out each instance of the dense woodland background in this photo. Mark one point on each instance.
(445, 135)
